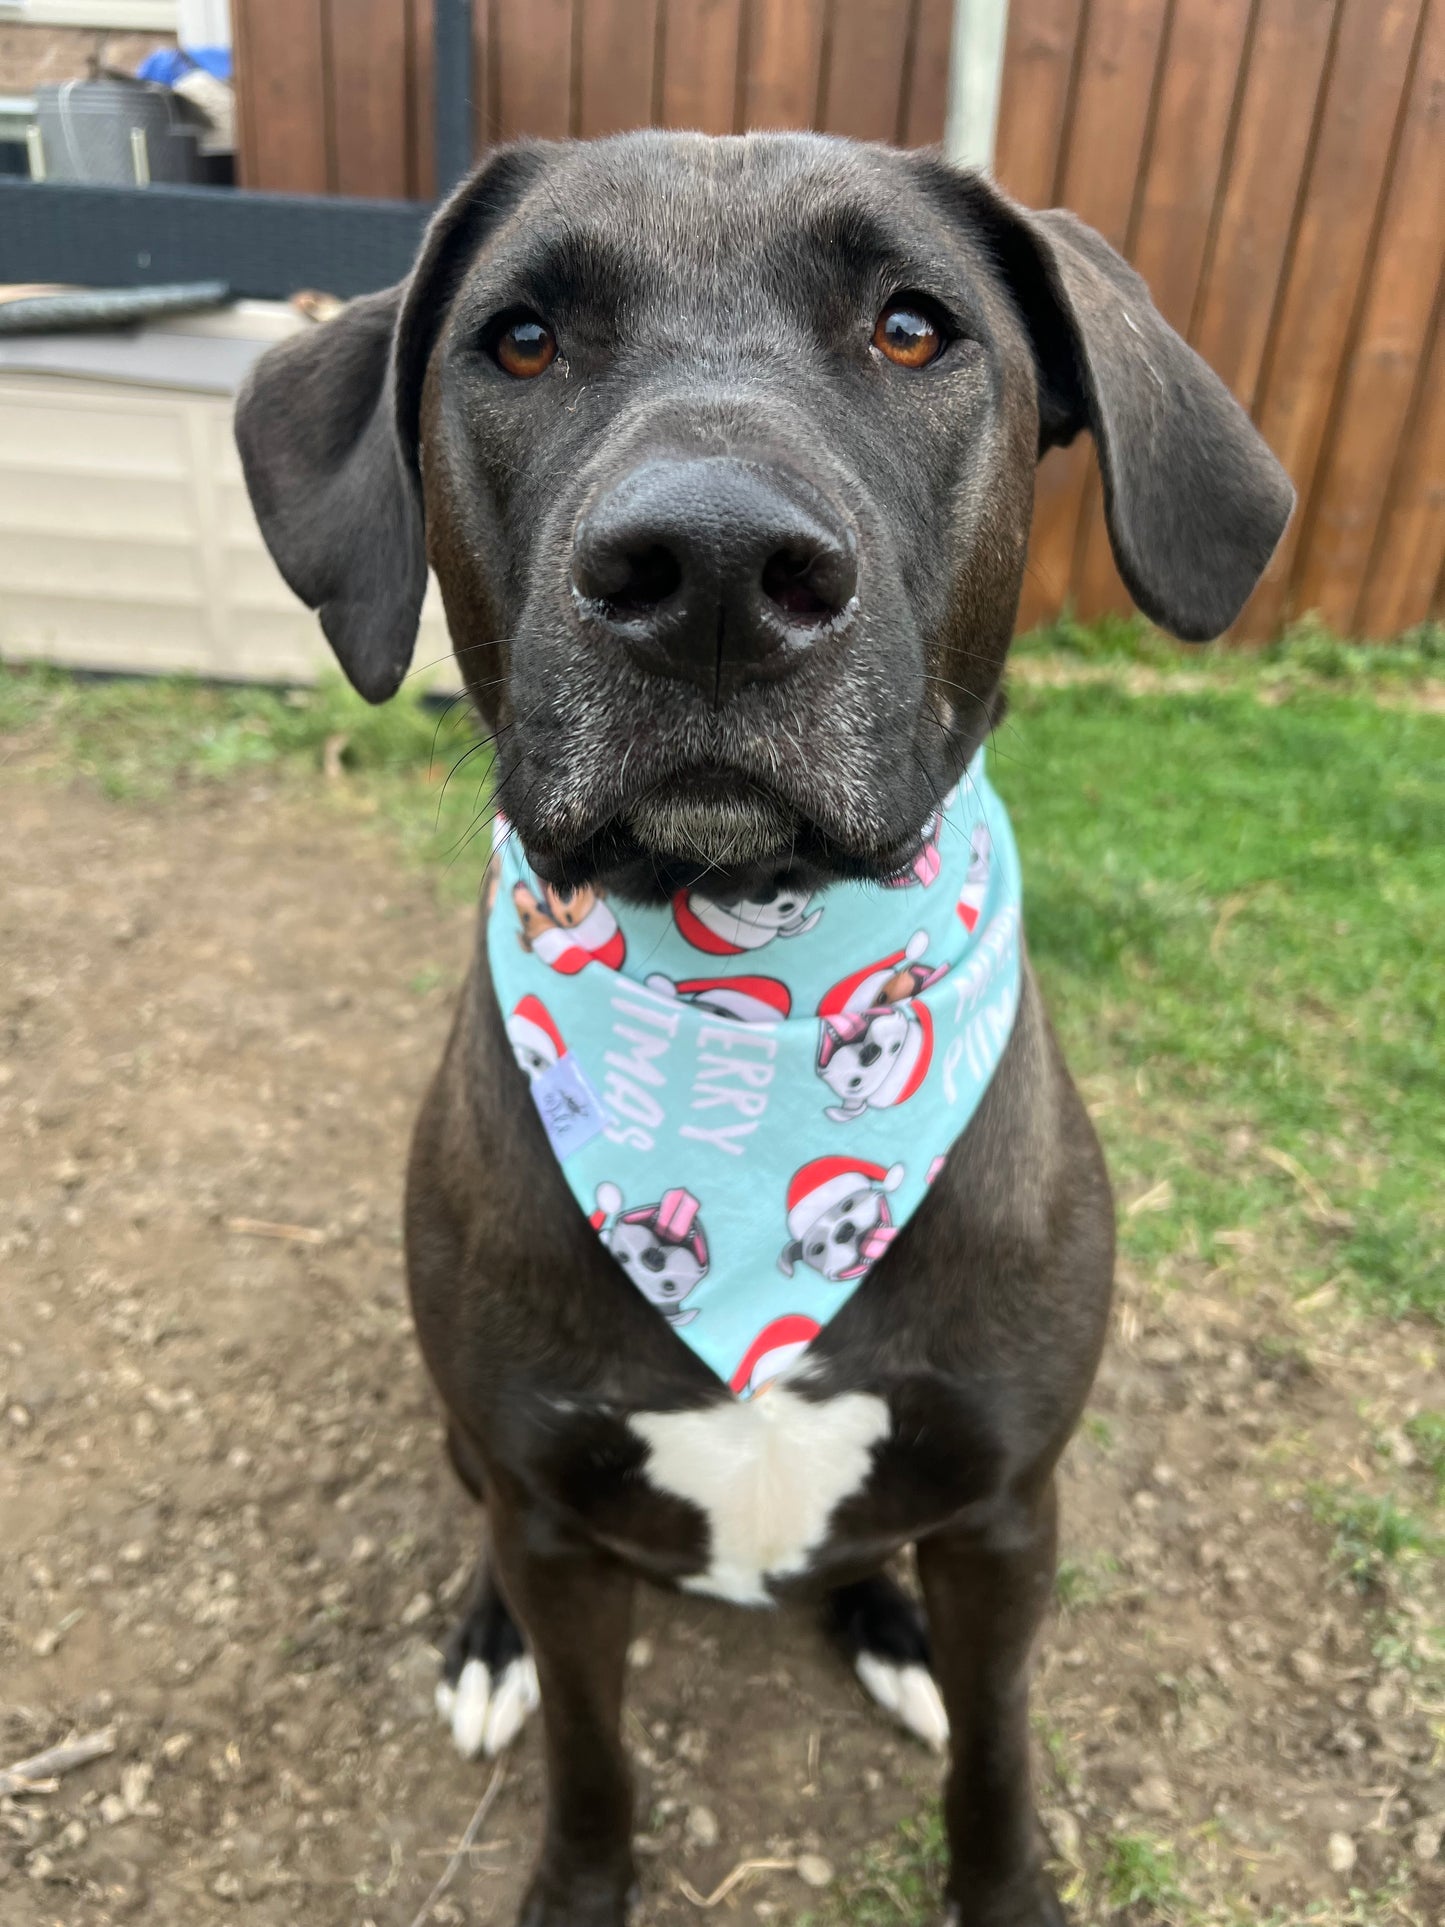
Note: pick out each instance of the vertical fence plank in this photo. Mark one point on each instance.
(782, 59)
(700, 50)
(1316, 317)
(925, 90)
(868, 46)
(367, 80)
(531, 81)
(1100, 165)
(281, 71)
(1403, 576)
(1256, 215)
(618, 45)
(1174, 208)
(1039, 56)
(421, 98)
(1380, 379)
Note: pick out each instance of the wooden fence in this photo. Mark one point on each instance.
(1274, 168)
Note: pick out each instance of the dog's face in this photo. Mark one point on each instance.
(663, 1272)
(840, 1241)
(723, 453)
(854, 1071)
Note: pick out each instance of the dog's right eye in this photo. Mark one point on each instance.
(523, 346)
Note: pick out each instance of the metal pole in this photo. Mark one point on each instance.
(452, 49)
(975, 80)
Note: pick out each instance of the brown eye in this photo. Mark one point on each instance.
(526, 347)
(907, 335)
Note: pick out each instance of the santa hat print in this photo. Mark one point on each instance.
(748, 1000)
(702, 936)
(861, 990)
(818, 1186)
(531, 1027)
(778, 1345)
(674, 1220)
(609, 1200)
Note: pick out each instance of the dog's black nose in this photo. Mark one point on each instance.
(714, 569)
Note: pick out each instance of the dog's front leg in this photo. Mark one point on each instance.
(575, 1606)
(986, 1598)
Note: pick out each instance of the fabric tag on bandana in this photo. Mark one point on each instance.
(572, 1113)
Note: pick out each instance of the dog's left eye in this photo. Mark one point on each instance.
(525, 347)
(907, 333)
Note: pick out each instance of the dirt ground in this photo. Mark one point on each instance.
(228, 1531)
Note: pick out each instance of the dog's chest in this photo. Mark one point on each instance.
(767, 1474)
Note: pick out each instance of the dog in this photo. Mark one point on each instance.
(722, 451)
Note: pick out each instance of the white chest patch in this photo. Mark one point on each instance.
(768, 1473)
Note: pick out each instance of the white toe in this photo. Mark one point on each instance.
(470, 1707)
(446, 1700)
(910, 1694)
(516, 1695)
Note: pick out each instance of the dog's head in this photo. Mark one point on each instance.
(723, 452)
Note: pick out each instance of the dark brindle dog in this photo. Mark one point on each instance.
(723, 453)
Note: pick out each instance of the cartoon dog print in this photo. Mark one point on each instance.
(743, 1000)
(925, 866)
(662, 1247)
(838, 1217)
(729, 929)
(535, 1039)
(569, 932)
(975, 884)
(875, 1041)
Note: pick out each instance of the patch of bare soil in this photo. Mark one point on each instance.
(228, 1532)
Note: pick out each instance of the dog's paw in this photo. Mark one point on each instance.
(883, 1631)
(908, 1691)
(487, 1711)
(489, 1682)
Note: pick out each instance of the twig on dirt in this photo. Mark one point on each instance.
(300, 1234)
(739, 1873)
(463, 1846)
(1324, 1212)
(25, 1775)
(1158, 1197)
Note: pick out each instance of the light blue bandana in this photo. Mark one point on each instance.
(749, 1099)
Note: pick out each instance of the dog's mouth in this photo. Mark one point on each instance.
(716, 817)
(712, 822)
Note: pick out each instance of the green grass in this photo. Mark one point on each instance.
(415, 762)
(1377, 1543)
(1140, 1872)
(1234, 906)
(1426, 1432)
(1081, 1583)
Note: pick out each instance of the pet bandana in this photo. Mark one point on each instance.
(749, 1098)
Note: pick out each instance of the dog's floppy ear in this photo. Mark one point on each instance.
(1195, 501)
(327, 426)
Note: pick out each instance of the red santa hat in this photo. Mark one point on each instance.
(776, 1347)
(701, 935)
(861, 990)
(750, 1000)
(531, 1027)
(818, 1186)
(674, 1220)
